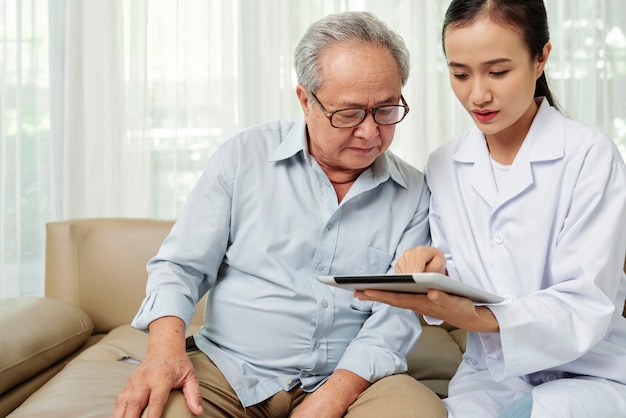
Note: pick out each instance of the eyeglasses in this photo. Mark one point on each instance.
(349, 118)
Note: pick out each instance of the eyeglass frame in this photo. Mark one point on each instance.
(373, 110)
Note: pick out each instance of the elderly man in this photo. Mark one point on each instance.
(278, 205)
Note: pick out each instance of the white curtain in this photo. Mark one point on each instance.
(112, 107)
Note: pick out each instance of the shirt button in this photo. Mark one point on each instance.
(324, 304)
(330, 226)
(288, 380)
(498, 238)
(320, 267)
(316, 345)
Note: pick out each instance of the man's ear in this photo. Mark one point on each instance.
(542, 60)
(303, 98)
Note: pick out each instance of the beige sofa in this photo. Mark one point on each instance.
(60, 354)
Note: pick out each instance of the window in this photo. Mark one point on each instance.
(113, 108)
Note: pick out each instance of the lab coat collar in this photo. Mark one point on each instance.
(544, 142)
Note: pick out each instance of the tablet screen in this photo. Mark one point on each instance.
(410, 283)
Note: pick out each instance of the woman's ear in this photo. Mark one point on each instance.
(542, 60)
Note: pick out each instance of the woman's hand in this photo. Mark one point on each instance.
(421, 259)
(455, 310)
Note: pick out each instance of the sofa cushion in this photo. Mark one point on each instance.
(36, 333)
(15, 396)
(89, 384)
(82, 389)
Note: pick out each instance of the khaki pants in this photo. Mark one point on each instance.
(393, 396)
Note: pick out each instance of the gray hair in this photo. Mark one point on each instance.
(340, 28)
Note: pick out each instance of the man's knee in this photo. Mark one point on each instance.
(176, 407)
(398, 396)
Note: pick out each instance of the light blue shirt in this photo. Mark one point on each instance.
(259, 227)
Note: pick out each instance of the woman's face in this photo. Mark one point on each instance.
(494, 77)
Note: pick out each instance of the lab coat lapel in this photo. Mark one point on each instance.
(544, 142)
(519, 179)
(473, 153)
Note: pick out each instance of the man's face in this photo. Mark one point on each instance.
(362, 75)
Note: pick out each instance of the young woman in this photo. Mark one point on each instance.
(532, 206)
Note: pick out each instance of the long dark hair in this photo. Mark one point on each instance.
(528, 17)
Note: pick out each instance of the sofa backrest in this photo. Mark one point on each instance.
(100, 265)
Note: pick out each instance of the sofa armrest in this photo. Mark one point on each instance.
(37, 333)
(99, 264)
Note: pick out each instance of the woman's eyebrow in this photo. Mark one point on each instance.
(486, 63)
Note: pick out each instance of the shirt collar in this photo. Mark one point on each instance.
(545, 140)
(386, 166)
(295, 141)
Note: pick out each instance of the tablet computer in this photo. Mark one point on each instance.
(410, 283)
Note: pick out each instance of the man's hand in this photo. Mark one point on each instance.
(333, 398)
(166, 367)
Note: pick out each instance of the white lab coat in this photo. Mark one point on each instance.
(552, 241)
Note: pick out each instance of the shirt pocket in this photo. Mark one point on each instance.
(375, 262)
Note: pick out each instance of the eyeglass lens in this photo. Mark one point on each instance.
(383, 115)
